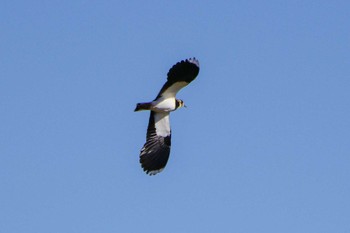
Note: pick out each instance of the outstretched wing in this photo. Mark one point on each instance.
(179, 76)
(155, 153)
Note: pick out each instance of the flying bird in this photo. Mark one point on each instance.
(154, 154)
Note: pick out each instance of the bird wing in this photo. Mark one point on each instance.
(179, 76)
(155, 152)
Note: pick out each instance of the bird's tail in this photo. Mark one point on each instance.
(143, 106)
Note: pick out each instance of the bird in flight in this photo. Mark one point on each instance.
(154, 154)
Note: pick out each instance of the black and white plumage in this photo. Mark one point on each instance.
(155, 152)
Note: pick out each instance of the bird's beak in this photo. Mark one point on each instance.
(185, 106)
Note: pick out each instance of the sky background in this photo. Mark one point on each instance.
(264, 145)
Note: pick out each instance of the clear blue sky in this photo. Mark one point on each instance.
(264, 145)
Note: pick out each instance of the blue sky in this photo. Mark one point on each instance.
(262, 147)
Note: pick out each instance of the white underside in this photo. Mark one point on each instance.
(173, 90)
(167, 100)
(162, 124)
(164, 105)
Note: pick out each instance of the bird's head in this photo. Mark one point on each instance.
(179, 104)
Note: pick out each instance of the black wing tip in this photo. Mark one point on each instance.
(152, 172)
(193, 60)
(185, 70)
(151, 167)
(154, 161)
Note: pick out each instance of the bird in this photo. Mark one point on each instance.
(155, 152)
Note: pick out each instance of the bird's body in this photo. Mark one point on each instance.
(159, 105)
(155, 152)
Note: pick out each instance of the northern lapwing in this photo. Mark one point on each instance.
(154, 154)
